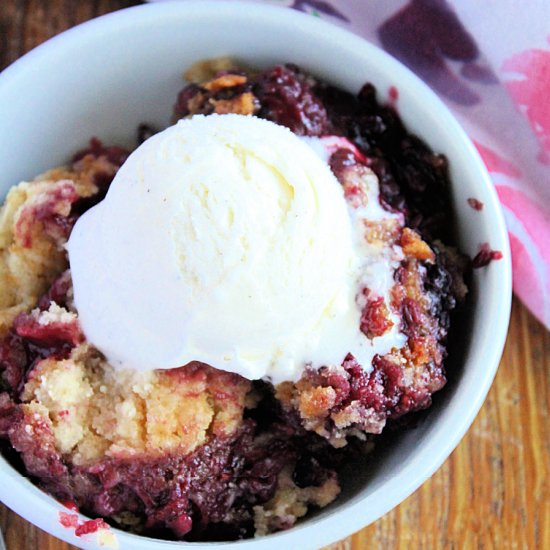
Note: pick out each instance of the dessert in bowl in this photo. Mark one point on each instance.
(195, 451)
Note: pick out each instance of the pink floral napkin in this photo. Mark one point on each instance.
(490, 63)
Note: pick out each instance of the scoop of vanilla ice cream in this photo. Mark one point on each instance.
(226, 240)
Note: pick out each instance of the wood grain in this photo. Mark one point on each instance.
(492, 493)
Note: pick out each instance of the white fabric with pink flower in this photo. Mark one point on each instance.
(490, 62)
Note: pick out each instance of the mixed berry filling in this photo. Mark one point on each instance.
(244, 459)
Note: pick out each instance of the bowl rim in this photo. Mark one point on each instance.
(16, 490)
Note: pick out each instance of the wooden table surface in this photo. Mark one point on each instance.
(492, 493)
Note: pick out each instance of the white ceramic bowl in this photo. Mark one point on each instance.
(106, 76)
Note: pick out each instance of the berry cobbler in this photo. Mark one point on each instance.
(333, 329)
